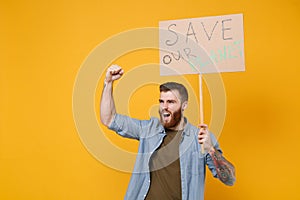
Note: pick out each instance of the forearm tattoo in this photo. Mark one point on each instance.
(225, 170)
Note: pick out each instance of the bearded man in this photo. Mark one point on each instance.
(169, 163)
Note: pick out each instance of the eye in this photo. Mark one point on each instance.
(160, 101)
(171, 101)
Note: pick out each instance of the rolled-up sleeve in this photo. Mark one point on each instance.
(127, 127)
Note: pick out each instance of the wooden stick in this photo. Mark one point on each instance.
(201, 107)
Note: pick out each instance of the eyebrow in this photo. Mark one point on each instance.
(168, 100)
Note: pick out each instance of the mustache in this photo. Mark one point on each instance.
(164, 110)
(161, 112)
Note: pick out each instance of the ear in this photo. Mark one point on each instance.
(184, 105)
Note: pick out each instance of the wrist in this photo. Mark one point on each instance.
(212, 151)
(106, 82)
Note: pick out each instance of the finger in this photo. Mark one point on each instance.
(203, 126)
(115, 69)
(203, 132)
(202, 137)
(116, 77)
(201, 140)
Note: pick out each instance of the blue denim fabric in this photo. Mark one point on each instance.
(150, 134)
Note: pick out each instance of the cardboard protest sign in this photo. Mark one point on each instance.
(202, 45)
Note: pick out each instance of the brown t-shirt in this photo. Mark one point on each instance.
(165, 169)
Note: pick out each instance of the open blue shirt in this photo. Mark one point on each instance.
(150, 134)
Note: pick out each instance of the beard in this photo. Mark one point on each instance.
(171, 121)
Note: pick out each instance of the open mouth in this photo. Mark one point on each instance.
(165, 115)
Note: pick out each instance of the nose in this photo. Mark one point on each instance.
(165, 106)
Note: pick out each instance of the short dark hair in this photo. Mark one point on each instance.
(165, 87)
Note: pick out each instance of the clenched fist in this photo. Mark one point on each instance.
(204, 137)
(113, 73)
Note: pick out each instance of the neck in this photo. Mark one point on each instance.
(179, 126)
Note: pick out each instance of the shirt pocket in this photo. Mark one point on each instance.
(196, 164)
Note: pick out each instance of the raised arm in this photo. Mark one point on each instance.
(107, 104)
(225, 170)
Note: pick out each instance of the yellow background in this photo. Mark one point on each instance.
(43, 45)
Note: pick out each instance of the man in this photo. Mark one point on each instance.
(169, 164)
